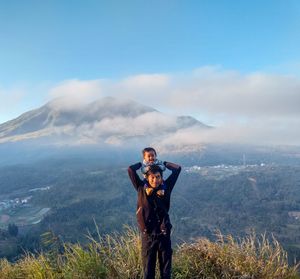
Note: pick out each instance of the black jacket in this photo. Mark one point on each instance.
(152, 211)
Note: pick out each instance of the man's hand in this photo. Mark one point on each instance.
(136, 166)
(149, 191)
(160, 193)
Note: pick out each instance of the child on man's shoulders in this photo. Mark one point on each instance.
(150, 159)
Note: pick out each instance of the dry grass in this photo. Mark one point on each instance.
(248, 258)
(119, 256)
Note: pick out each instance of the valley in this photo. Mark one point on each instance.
(17, 208)
(235, 199)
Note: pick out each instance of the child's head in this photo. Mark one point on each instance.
(154, 176)
(149, 154)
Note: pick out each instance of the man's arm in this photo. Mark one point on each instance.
(135, 179)
(175, 169)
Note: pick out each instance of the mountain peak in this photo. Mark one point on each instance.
(107, 119)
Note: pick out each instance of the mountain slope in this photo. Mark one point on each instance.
(94, 122)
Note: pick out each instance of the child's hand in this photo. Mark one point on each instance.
(159, 162)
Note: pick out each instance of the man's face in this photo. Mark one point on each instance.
(154, 179)
(150, 156)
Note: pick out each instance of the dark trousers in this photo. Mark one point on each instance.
(151, 247)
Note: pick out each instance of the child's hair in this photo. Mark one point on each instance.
(148, 149)
(154, 169)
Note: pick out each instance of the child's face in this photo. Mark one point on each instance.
(150, 156)
(154, 179)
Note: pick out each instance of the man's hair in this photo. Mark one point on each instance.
(153, 169)
(148, 149)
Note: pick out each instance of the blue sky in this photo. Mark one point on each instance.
(45, 44)
(58, 40)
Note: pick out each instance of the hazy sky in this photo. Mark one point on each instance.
(220, 61)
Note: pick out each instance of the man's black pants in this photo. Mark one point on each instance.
(160, 245)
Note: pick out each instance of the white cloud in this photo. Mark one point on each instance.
(151, 123)
(233, 94)
(71, 94)
(230, 94)
(250, 108)
(256, 133)
(145, 82)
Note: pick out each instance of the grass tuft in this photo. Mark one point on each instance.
(119, 256)
(248, 258)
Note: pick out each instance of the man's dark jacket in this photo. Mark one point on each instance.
(153, 210)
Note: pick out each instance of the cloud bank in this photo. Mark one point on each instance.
(249, 108)
(207, 90)
(72, 94)
(255, 108)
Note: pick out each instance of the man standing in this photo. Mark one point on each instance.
(152, 215)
